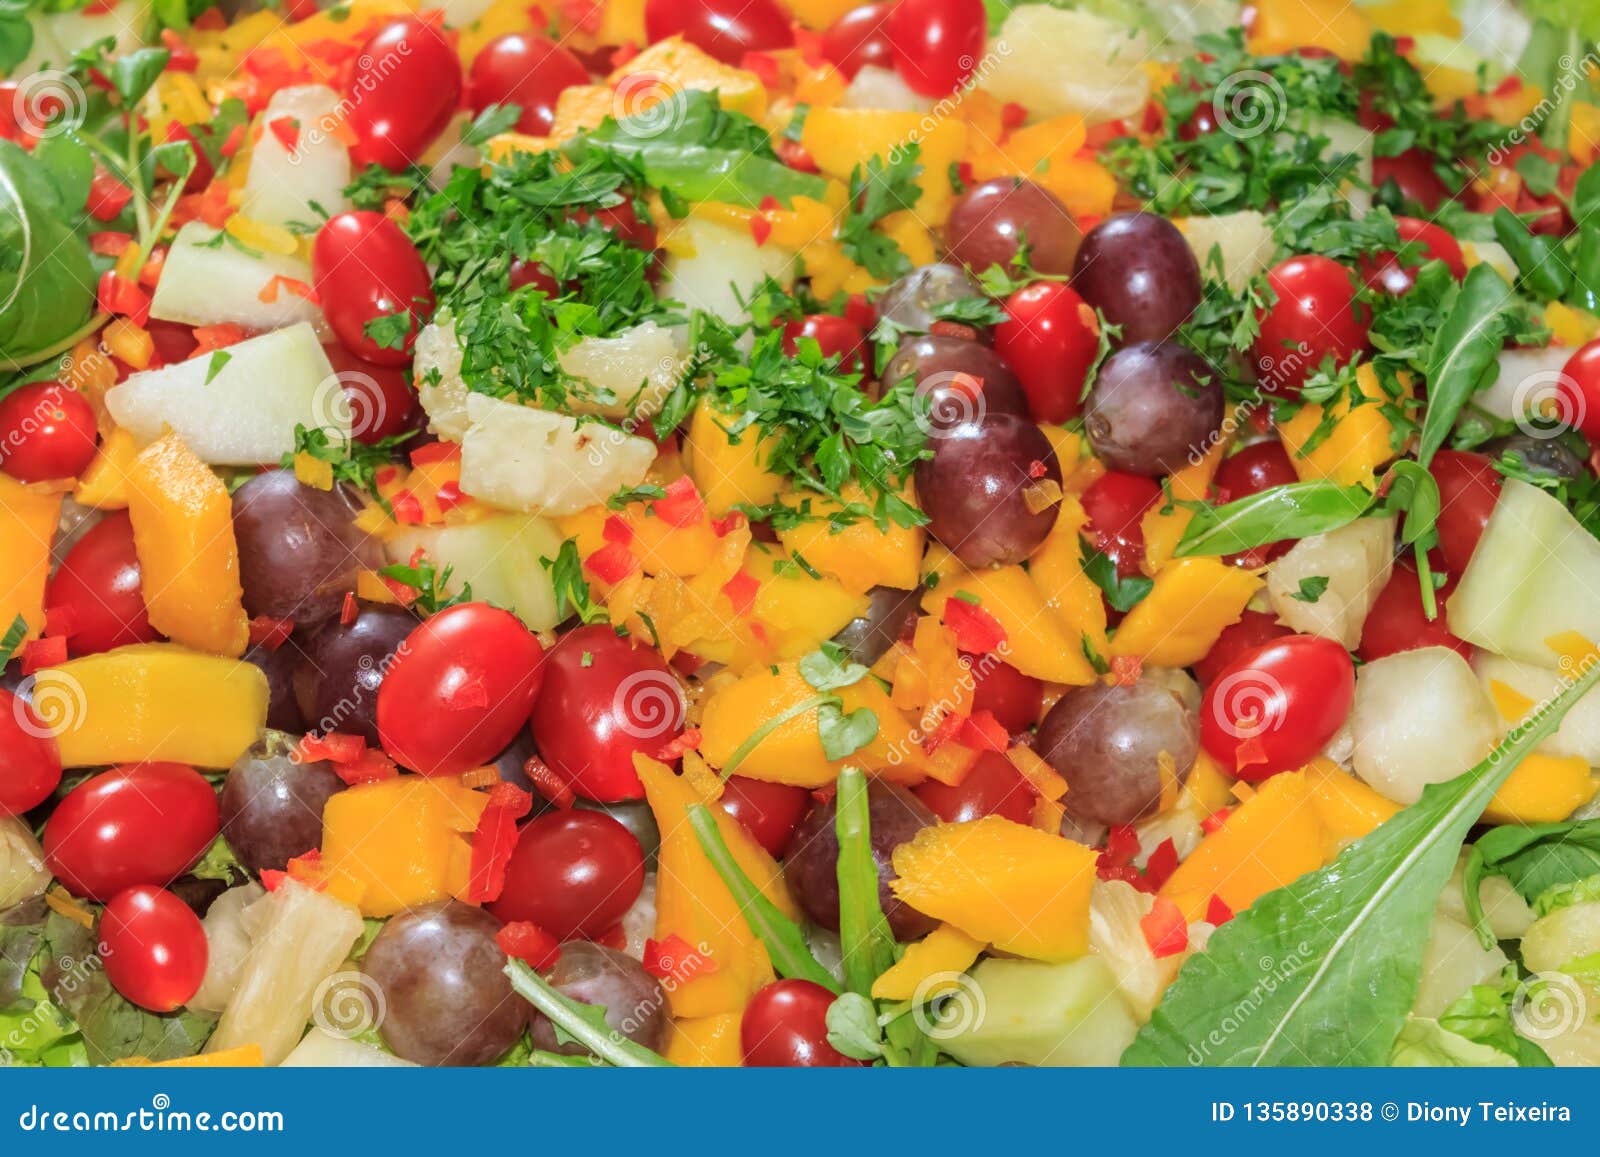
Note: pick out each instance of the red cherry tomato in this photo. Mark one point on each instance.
(726, 29)
(458, 689)
(1386, 272)
(623, 220)
(97, 589)
(1116, 504)
(859, 39)
(1469, 486)
(1314, 315)
(992, 787)
(1398, 622)
(366, 268)
(140, 823)
(382, 403)
(1259, 466)
(573, 873)
(785, 1025)
(1014, 699)
(768, 811)
(1252, 630)
(1414, 175)
(837, 336)
(30, 764)
(937, 43)
(1274, 708)
(1580, 386)
(402, 92)
(527, 70)
(47, 431)
(154, 948)
(605, 699)
(1049, 339)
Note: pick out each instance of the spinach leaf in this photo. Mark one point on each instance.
(1294, 510)
(1533, 859)
(1295, 956)
(47, 287)
(1462, 354)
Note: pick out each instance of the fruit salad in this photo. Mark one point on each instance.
(630, 533)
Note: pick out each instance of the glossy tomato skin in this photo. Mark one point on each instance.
(605, 699)
(365, 267)
(1014, 699)
(1399, 622)
(47, 431)
(527, 70)
(154, 948)
(937, 43)
(459, 689)
(1580, 383)
(573, 873)
(1386, 272)
(1413, 174)
(1050, 339)
(139, 823)
(1116, 504)
(97, 588)
(1253, 629)
(30, 763)
(403, 90)
(382, 403)
(769, 811)
(1275, 708)
(1469, 487)
(785, 1026)
(1313, 316)
(725, 29)
(836, 336)
(859, 39)
(992, 787)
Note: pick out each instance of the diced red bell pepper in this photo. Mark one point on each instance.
(494, 841)
(49, 651)
(108, 197)
(1162, 863)
(548, 784)
(1164, 929)
(611, 563)
(977, 632)
(681, 505)
(1217, 911)
(269, 632)
(676, 959)
(526, 941)
(334, 747)
(741, 590)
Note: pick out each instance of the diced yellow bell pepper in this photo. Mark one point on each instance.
(104, 485)
(1359, 440)
(1347, 808)
(705, 1042)
(152, 701)
(727, 473)
(1038, 642)
(1569, 326)
(1583, 141)
(694, 904)
(931, 964)
(859, 555)
(1192, 602)
(622, 22)
(679, 65)
(1543, 789)
(1001, 882)
(499, 19)
(818, 14)
(183, 534)
(1415, 18)
(1285, 25)
(403, 841)
(1271, 839)
(1056, 568)
(839, 139)
(28, 520)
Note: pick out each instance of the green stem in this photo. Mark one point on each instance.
(754, 739)
(611, 1047)
(863, 931)
(1430, 605)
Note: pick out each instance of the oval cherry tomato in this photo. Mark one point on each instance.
(1276, 707)
(402, 92)
(97, 589)
(573, 873)
(785, 1025)
(937, 43)
(1014, 699)
(366, 268)
(859, 39)
(1386, 272)
(47, 431)
(1399, 622)
(1259, 466)
(1314, 315)
(992, 787)
(1580, 383)
(382, 403)
(1414, 175)
(458, 689)
(30, 763)
(527, 70)
(726, 29)
(1253, 629)
(1116, 504)
(154, 948)
(837, 336)
(140, 823)
(1469, 486)
(605, 699)
(769, 811)
(1050, 339)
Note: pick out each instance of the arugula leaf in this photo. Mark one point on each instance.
(1541, 260)
(576, 1021)
(132, 73)
(1534, 858)
(491, 122)
(1462, 354)
(863, 931)
(1295, 955)
(1293, 510)
(1122, 593)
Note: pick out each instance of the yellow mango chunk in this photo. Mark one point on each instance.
(796, 612)
(705, 1042)
(183, 534)
(727, 472)
(1001, 882)
(818, 14)
(1056, 568)
(839, 139)
(500, 18)
(104, 485)
(859, 555)
(932, 961)
(152, 701)
(1038, 642)
(1543, 789)
(693, 903)
(1347, 808)
(1285, 25)
(243, 1057)
(1271, 839)
(403, 841)
(1207, 785)
(28, 522)
(1192, 601)
(1415, 18)
(1163, 528)
(676, 65)
(1359, 442)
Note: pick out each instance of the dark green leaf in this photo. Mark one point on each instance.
(47, 285)
(1462, 354)
(576, 1021)
(1533, 858)
(1294, 510)
(132, 73)
(1122, 593)
(1311, 589)
(491, 122)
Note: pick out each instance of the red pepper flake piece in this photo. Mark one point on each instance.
(673, 749)
(435, 452)
(948, 728)
(614, 529)
(944, 328)
(769, 203)
(403, 593)
(1213, 822)
(269, 632)
(272, 878)
(334, 747)
(977, 632)
(681, 505)
(369, 767)
(1250, 749)
(983, 732)
(1126, 669)
(50, 651)
(108, 197)
(407, 509)
(449, 496)
(110, 244)
(116, 294)
(1164, 929)
(728, 523)
(494, 840)
(349, 610)
(795, 155)
(182, 58)
(233, 143)
(741, 591)
(676, 959)
(1217, 911)
(1162, 863)
(62, 621)
(287, 130)
(548, 784)
(300, 289)
(611, 563)
(526, 941)
(210, 338)
(760, 229)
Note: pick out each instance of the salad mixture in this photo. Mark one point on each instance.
(777, 532)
